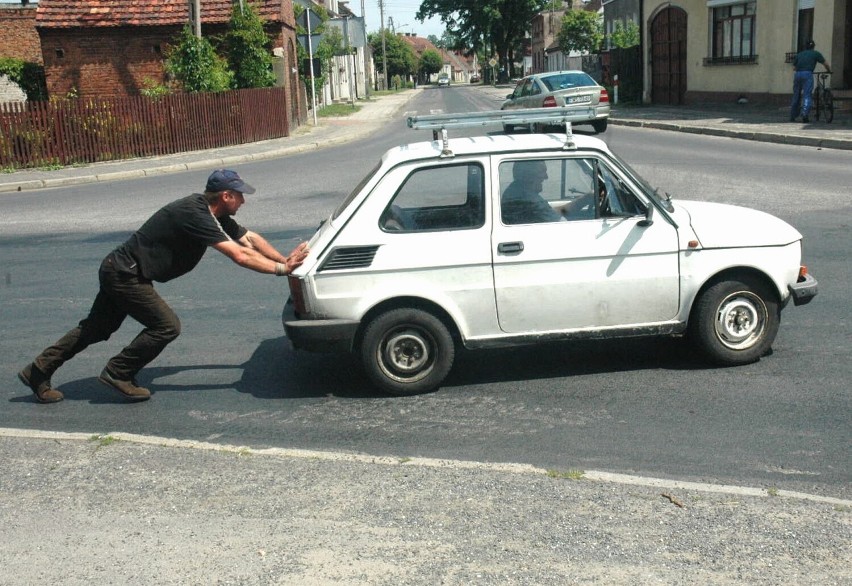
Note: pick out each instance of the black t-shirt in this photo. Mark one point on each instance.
(174, 239)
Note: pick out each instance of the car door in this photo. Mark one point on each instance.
(594, 263)
(520, 95)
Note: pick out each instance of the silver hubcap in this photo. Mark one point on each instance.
(405, 353)
(740, 320)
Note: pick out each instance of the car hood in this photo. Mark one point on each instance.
(720, 225)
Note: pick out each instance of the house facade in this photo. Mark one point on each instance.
(724, 50)
(117, 47)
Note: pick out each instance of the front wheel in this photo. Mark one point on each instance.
(735, 322)
(828, 105)
(407, 351)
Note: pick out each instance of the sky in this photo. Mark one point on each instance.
(402, 12)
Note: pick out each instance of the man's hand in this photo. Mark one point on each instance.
(296, 257)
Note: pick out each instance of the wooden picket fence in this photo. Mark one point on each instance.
(88, 130)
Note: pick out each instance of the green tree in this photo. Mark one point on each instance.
(249, 49)
(625, 36)
(324, 50)
(430, 62)
(401, 58)
(581, 31)
(196, 66)
(498, 26)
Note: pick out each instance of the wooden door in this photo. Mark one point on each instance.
(668, 57)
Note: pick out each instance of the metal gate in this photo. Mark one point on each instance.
(668, 57)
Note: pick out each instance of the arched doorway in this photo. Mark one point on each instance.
(668, 56)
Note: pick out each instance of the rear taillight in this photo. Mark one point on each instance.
(604, 99)
(297, 295)
(549, 102)
(803, 272)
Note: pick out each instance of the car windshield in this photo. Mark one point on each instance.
(567, 80)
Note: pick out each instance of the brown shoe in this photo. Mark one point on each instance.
(40, 385)
(127, 388)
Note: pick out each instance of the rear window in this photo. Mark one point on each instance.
(356, 191)
(567, 80)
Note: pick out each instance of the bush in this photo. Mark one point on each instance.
(248, 45)
(194, 63)
(29, 76)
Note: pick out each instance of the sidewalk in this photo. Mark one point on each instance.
(122, 509)
(745, 122)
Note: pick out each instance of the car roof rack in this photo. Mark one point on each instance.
(441, 122)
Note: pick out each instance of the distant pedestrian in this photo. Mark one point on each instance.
(803, 80)
(168, 245)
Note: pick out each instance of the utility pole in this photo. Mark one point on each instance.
(384, 48)
(195, 16)
(368, 75)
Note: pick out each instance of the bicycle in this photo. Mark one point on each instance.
(823, 99)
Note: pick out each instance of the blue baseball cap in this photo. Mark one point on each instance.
(223, 179)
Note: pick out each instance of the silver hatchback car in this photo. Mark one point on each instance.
(555, 89)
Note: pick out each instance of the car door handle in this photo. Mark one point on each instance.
(510, 247)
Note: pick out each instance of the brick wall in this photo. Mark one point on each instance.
(19, 38)
(112, 62)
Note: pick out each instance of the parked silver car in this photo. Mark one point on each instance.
(556, 89)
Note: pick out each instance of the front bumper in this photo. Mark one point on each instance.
(804, 290)
(318, 335)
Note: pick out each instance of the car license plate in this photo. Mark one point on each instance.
(579, 99)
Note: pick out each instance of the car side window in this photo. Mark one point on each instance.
(554, 190)
(438, 198)
(547, 190)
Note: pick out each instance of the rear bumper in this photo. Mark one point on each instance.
(804, 291)
(318, 335)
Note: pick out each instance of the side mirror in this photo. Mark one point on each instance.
(649, 217)
(510, 96)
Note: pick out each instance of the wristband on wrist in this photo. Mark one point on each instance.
(280, 269)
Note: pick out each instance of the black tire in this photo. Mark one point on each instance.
(407, 351)
(600, 125)
(508, 128)
(828, 105)
(735, 322)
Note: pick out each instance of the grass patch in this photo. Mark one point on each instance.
(337, 110)
(103, 440)
(772, 491)
(566, 474)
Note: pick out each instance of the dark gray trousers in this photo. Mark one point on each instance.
(120, 295)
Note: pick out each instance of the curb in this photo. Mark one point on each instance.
(771, 137)
(390, 460)
(355, 132)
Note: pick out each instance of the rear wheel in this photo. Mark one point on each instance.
(599, 125)
(735, 322)
(407, 351)
(508, 128)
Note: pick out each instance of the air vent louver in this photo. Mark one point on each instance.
(356, 257)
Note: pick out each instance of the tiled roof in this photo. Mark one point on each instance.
(111, 13)
(419, 44)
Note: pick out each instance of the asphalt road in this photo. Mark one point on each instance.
(641, 407)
